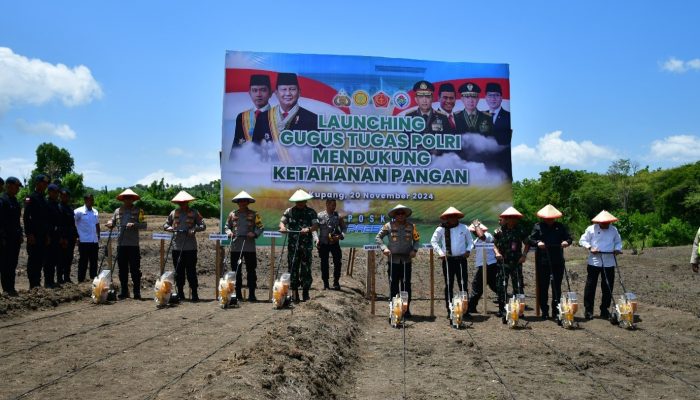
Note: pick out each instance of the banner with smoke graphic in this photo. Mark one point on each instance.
(369, 132)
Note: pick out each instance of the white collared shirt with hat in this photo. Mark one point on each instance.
(605, 240)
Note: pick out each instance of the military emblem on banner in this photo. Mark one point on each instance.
(380, 99)
(360, 98)
(401, 100)
(341, 99)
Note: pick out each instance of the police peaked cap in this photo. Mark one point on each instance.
(260, 80)
(493, 87)
(423, 88)
(287, 78)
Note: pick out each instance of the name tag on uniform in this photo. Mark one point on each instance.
(162, 236)
(104, 235)
(369, 247)
(484, 245)
(218, 236)
(272, 234)
(426, 246)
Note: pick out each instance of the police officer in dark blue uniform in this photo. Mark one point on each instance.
(67, 237)
(53, 251)
(36, 228)
(10, 235)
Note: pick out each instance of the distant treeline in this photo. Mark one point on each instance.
(655, 208)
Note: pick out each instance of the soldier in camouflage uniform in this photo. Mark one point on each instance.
(300, 222)
(128, 219)
(243, 226)
(404, 241)
(510, 239)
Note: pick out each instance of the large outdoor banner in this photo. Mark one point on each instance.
(369, 132)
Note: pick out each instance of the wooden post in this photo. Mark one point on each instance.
(484, 276)
(432, 283)
(352, 261)
(272, 268)
(537, 292)
(371, 266)
(217, 269)
(347, 266)
(162, 256)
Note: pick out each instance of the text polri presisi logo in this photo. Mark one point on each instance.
(360, 98)
(380, 99)
(401, 99)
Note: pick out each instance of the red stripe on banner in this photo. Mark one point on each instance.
(237, 80)
(481, 82)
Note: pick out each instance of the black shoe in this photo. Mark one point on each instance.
(545, 316)
(501, 313)
(12, 293)
(137, 296)
(251, 297)
(181, 295)
(295, 296)
(123, 296)
(50, 285)
(68, 281)
(305, 295)
(558, 321)
(325, 285)
(472, 310)
(195, 297)
(336, 285)
(588, 315)
(605, 314)
(407, 315)
(449, 315)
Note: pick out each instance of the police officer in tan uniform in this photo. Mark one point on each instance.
(404, 241)
(128, 219)
(185, 222)
(243, 226)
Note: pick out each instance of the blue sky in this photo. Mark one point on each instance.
(134, 89)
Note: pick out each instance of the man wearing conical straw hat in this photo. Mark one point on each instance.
(299, 222)
(511, 247)
(452, 242)
(551, 238)
(243, 226)
(404, 241)
(185, 222)
(602, 240)
(128, 219)
(482, 237)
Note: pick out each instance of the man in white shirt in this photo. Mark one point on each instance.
(482, 237)
(88, 224)
(452, 242)
(695, 254)
(602, 241)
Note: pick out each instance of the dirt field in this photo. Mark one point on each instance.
(56, 344)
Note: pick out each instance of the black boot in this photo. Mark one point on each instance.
(325, 284)
(181, 293)
(305, 294)
(295, 296)
(336, 284)
(251, 295)
(195, 296)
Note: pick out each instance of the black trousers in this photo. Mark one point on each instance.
(545, 280)
(64, 262)
(187, 268)
(400, 279)
(129, 261)
(592, 281)
(9, 254)
(36, 257)
(323, 252)
(458, 270)
(251, 264)
(51, 261)
(478, 284)
(88, 254)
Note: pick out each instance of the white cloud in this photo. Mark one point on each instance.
(35, 82)
(18, 167)
(175, 151)
(199, 177)
(675, 65)
(679, 148)
(551, 149)
(62, 131)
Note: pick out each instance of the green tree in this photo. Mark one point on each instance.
(74, 183)
(52, 160)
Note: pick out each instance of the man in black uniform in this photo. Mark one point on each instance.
(471, 120)
(551, 238)
(36, 228)
(434, 121)
(68, 236)
(53, 250)
(10, 235)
